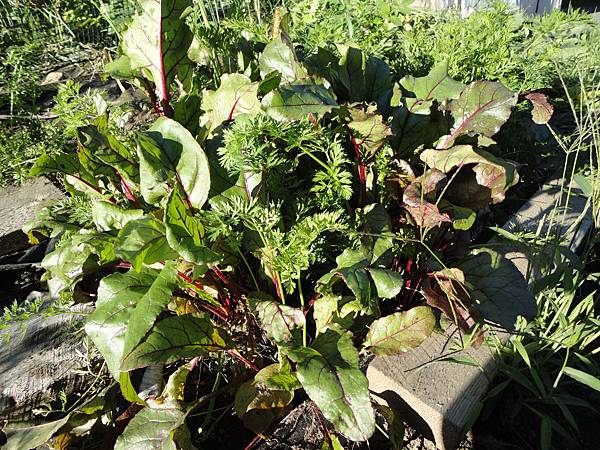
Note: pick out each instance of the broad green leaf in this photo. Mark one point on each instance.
(258, 406)
(236, 95)
(281, 323)
(387, 282)
(152, 429)
(67, 164)
(360, 78)
(369, 130)
(490, 172)
(255, 394)
(415, 125)
(482, 108)
(297, 100)
(187, 112)
(104, 153)
(462, 218)
(497, 288)
(150, 305)
(329, 373)
(143, 241)
(279, 56)
(121, 67)
(175, 338)
(77, 254)
(400, 332)
(169, 153)
(185, 232)
(31, 437)
(118, 295)
(436, 85)
(278, 377)
(109, 217)
(157, 41)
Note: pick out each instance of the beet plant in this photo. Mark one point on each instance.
(292, 217)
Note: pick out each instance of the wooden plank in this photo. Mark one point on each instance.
(438, 395)
(38, 359)
(18, 205)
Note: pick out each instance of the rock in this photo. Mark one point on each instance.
(39, 358)
(428, 386)
(18, 205)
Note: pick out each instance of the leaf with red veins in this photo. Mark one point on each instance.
(420, 196)
(400, 332)
(482, 108)
(281, 323)
(542, 109)
(236, 95)
(157, 42)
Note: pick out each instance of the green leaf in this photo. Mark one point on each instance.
(395, 428)
(329, 373)
(31, 437)
(583, 377)
(236, 96)
(67, 164)
(360, 78)
(462, 218)
(387, 282)
(297, 100)
(118, 295)
(400, 332)
(187, 112)
(109, 217)
(436, 85)
(175, 338)
(152, 429)
(105, 153)
(369, 130)
(185, 232)
(281, 323)
(497, 288)
(150, 305)
(78, 254)
(482, 108)
(157, 41)
(492, 173)
(279, 55)
(143, 241)
(169, 153)
(254, 394)
(278, 377)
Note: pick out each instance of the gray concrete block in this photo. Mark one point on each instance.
(18, 205)
(437, 395)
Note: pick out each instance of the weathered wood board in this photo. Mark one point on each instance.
(39, 358)
(439, 395)
(18, 205)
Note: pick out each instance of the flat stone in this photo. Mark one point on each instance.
(39, 358)
(439, 396)
(20, 204)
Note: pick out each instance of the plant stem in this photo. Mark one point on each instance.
(304, 340)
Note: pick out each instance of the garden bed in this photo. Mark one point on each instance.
(276, 211)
